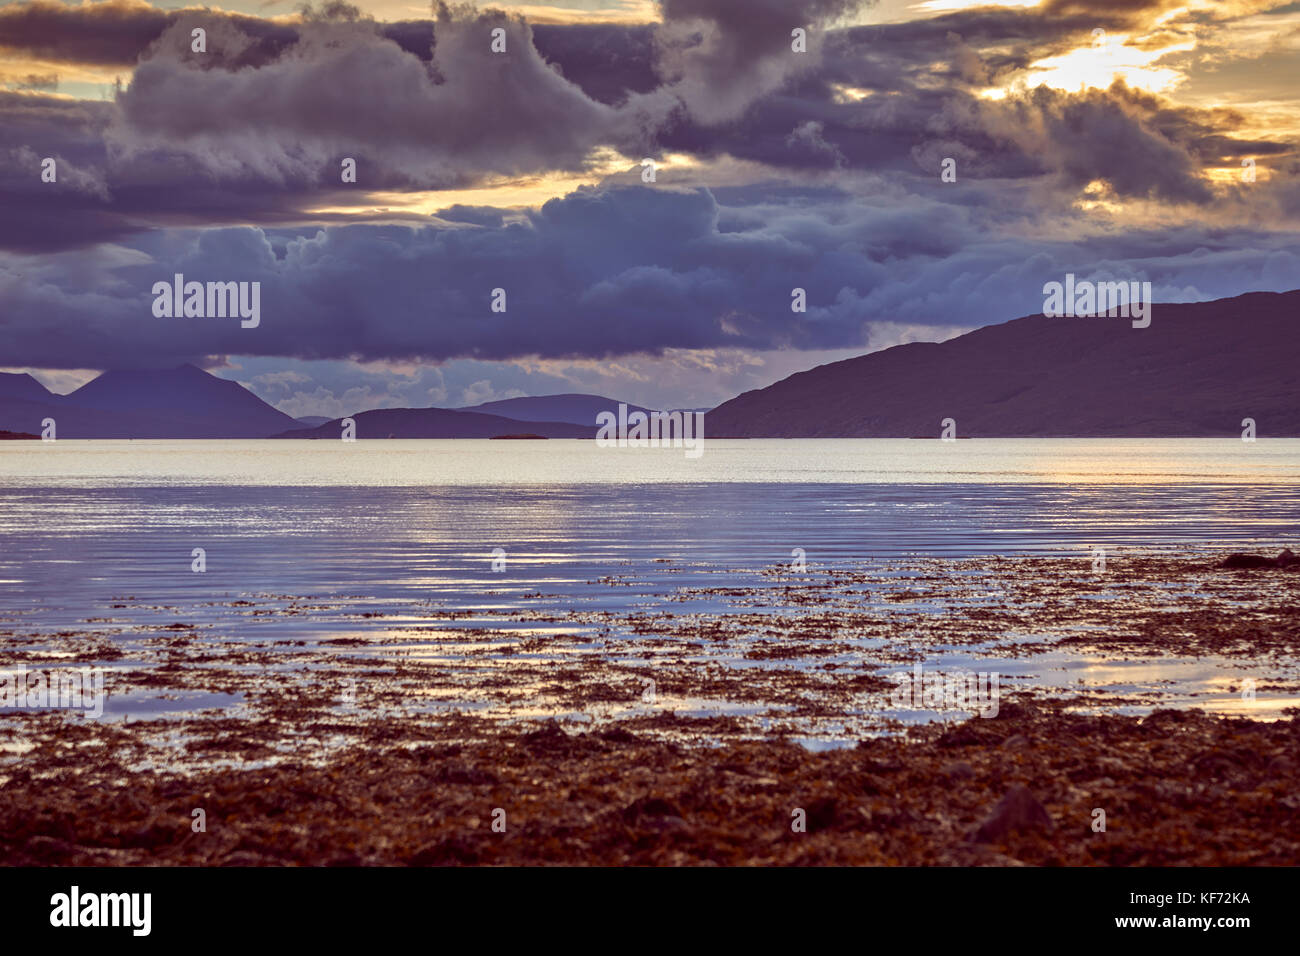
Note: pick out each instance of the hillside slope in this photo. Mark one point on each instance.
(1198, 370)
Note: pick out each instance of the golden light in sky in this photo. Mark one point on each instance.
(516, 193)
(1108, 58)
(944, 6)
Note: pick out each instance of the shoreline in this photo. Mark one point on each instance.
(813, 653)
(694, 737)
(1176, 788)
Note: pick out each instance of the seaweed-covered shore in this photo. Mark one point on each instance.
(765, 737)
(1027, 787)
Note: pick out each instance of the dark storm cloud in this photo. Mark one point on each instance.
(254, 133)
(1142, 146)
(256, 128)
(717, 55)
(345, 84)
(607, 62)
(74, 209)
(342, 87)
(601, 272)
(99, 197)
(654, 258)
(221, 138)
(1113, 135)
(114, 32)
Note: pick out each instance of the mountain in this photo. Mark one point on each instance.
(186, 401)
(71, 421)
(440, 423)
(577, 409)
(183, 402)
(311, 421)
(1197, 370)
(21, 387)
(24, 403)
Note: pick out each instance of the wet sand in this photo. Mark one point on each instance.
(397, 748)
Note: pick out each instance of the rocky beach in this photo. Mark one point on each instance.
(771, 733)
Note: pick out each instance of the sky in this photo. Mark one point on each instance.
(1138, 140)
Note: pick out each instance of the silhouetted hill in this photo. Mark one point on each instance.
(187, 401)
(1198, 370)
(577, 409)
(440, 423)
(21, 387)
(72, 421)
(183, 402)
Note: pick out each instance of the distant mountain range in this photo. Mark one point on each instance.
(183, 402)
(187, 402)
(441, 423)
(21, 387)
(575, 409)
(1198, 370)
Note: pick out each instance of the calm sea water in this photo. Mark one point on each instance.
(104, 531)
(85, 522)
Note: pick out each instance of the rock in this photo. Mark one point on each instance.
(49, 849)
(1239, 559)
(1164, 716)
(1016, 742)
(551, 740)
(969, 734)
(1018, 810)
(1009, 711)
(644, 807)
(444, 852)
(457, 773)
(245, 858)
(822, 813)
(618, 735)
(150, 837)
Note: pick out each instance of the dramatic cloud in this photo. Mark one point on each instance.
(344, 90)
(108, 32)
(720, 56)
(614, 271)
(255, 129)
(776, 170)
